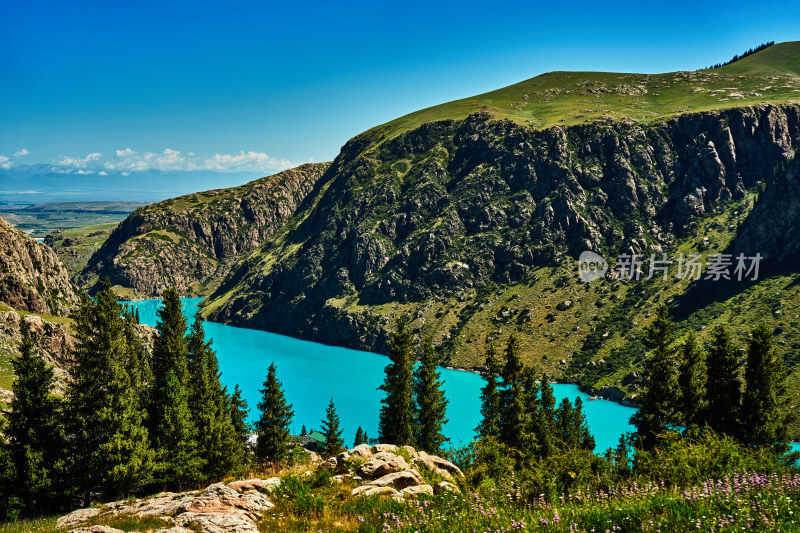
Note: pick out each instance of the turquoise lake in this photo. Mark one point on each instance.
(313, 373)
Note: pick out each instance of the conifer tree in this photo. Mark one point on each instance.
(334, 443)
(396, 424)
(544, 430)
(106, 413)
(514, 415)
(208, 401)
(361, 437)
(490, 397)
(692, 381)
(723, 386)
(537, 441)
(35, 437)
(275, 418)
(241, 427)
(564, 424)
(9, 502)
(766, 417)
(303, 430)
(430, 403)
(658, 398)
(547, 397)
(585, 439)
(172, 432)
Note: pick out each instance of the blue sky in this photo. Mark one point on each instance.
(253, 86)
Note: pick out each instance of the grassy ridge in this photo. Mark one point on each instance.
(568, 98)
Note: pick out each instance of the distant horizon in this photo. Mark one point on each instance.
(32, 186)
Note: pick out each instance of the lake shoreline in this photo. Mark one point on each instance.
(611, 394)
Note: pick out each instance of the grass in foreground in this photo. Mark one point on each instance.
(31, 525)
(744, 500)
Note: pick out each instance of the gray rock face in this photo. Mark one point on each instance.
(773, 227)
(455, 205)
(31, 276)
(188, 242)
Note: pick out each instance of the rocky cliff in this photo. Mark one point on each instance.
(188, 242)
(31, 276)
(458, 205)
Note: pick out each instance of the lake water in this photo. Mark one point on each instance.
(313, 373)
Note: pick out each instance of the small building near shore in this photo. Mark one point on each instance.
(313, 442)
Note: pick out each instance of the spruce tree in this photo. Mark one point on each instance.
(585, 439)
(172, 432)
(9, 502)
(208, 401)
(241, 427)
(692, 382)
(723, 386)
(547, 397)
(544, 425)
(35, 437)
(275, 417)
(361, 437)
(564, 425)
(334, 443)
(766, 416)
(490, 397)
(430, 403)
(396, 424)
(658, 398)
(107, 431)
(512, 399)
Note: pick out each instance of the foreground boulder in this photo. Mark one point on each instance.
(233, 508)
(386, 469)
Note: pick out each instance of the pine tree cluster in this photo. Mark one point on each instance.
(413, 410)
(737, 57)
(688, 388)
(521, 413)
(129, 421)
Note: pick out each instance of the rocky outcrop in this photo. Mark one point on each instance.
(457, 205)
(239, 506)
(388, 470)
(188, 242)
(233, 508)
(31, 276)
(52, 341)
(773, 226)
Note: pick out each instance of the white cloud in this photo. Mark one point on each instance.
(5, 163)
(77, 162)
(21, 153)
(103, 173)
(245, 161)
(131, 160)
(128, 160)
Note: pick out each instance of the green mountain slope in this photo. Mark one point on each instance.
(568, 98)
(777, 60)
